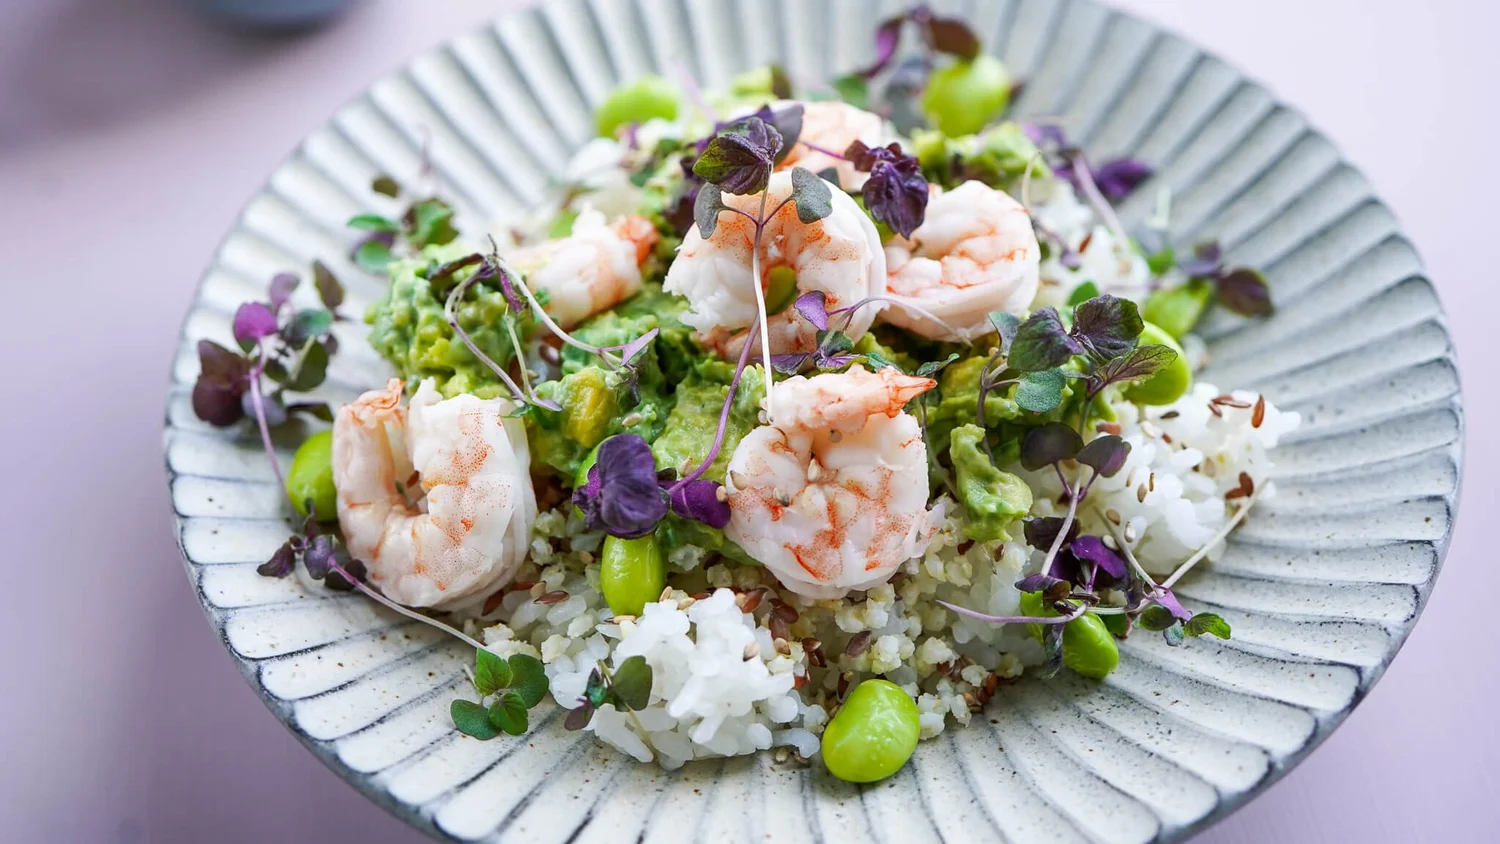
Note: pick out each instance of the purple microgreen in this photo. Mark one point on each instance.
(787, 121)
(1245, 292)
(634, 348)
(790, 364)
(1040, 583)
(319, 556)
(812, 195)
(740, 158)
(1042, 342)
(442, 277)
(1047, 444)
(896, 193)
(1042, 532)
(1207, 261)
(1167, 599)
(1045, 134)
(700, 501)
(831, 363)
(310, 370)
(1093, 549)
(628, 501)
(814, 308)
(1107, 326)
(706, 208)
(1117, 179)
(282, 286)
(273, 408)
(281, 563)
(374, 252)
(1206, 623)
(1052, 620)
(1106, 454)
(1138, 364)
(222, 381)
(253, 321)
(373, 223)
(1006, 325)
(579, 716)
(952, 36)
(330, 291)
(1040, 392)
(887, 41)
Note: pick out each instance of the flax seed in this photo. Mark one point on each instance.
(1259, 414)
(1113, 516)
(858, 643)
(554, 597)
(784, 611)
(1140, 493)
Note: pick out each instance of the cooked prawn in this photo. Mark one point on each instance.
(833, 126)
(435, 498)
(976, 252)
(593, 269)
(839, 255)
(833, 495)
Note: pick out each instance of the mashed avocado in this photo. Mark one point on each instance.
(694, 421)
(994, 500)
(408, 329)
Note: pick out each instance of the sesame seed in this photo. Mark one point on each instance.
(1112, 515)
(752, 650)
(632, 419)
(721, 493)
(1109, 542)
(1130, 532)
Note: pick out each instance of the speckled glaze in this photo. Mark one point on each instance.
(1322, 586)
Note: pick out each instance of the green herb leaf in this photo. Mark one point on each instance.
(595, 692)
(813, 197)
(1040, 392)
(853, 89)
(1118, 624)
(706, 209)
(472, 720)
(878, 361)
(308, 324)
(373, 223)
(1207, 623)
(1156, 617)
(1082, 293)
(373, 255)
(491, 673)
(528, 679)
(311, 371)
(932, 367)
(385, 186)
(429, 223)
(509, 714)
(632, 683)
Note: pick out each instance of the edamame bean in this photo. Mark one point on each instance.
(310, 477)
(1176, 311)
(873, 733)
(582, 478)
(632, 573)
(1170, 383)
(963, 97)
(1088, 647)
(638, 102)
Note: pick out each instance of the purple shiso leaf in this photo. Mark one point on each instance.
(1169, 601)
(896, 195)
(1038, 583)
(508, 287)
(622, 496)
(1116, 179)
(887, 39)
(281, 562)
(1245, 292)
(740, 158)
(318, 556)
(789, 364)
(1045, 133)
(252, 321)
(1093, 549)
(1042, 532)
(282, 285)
(1105, 454)
(814, 307)
(699, 500)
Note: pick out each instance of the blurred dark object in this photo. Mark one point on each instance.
(273, 14)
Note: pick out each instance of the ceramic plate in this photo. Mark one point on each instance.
(1322, 586)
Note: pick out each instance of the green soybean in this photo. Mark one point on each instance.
(310, 477)
(1088, 647)
(632, 573)
(638, 102)
(1170, 383)
(1177, 310)
(582, 478)
(873, 733)
(964, 97)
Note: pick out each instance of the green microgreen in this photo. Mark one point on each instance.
(512, 686)
(627, 688)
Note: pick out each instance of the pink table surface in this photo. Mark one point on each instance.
(130, 133)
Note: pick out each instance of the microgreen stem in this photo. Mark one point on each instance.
(694, 93)
(906, 306)
(1026, 179)
(450, 313)
(397, 608)
(825, 150)
(515, 343)
(760, 303)
(258, 402)
(1018, 619)
(1101, 205)
(1229, 526)
(734, 383)
(1076, 494)
(629, 713)
(546, 318)
(1140, 570)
